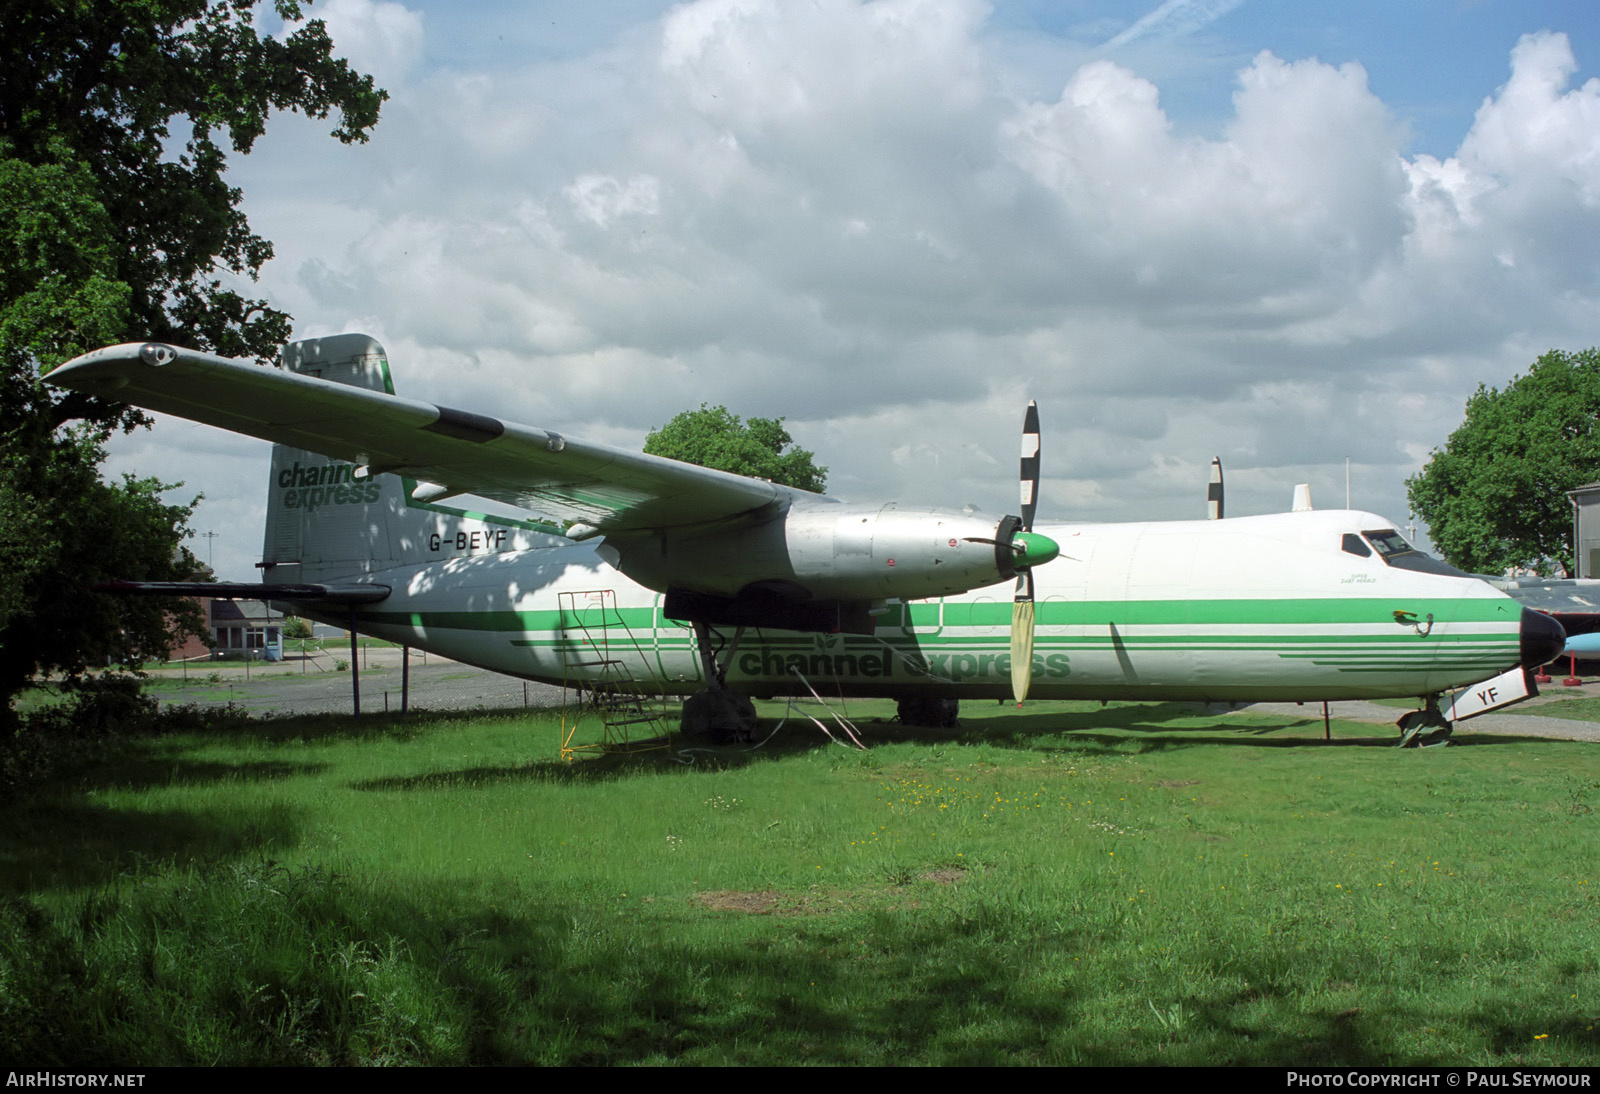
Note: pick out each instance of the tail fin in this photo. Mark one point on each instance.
(329, 520)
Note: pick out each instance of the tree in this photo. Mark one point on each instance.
(711, 437)
(114, 227)
(1495, 497)
(49, 617)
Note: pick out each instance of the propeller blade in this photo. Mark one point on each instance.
(1022, 611)
(1021, 648)
(1214, 490)
(1030, 465)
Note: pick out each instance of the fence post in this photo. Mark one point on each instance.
(355, 665)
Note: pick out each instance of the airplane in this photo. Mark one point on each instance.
(871, 599)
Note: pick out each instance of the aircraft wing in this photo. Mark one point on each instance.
(455, 451)
(1569, 599)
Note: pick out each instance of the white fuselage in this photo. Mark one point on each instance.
(1255, 608)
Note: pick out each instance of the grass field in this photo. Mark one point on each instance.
(1133, 884)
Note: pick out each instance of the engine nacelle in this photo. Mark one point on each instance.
(841, 552)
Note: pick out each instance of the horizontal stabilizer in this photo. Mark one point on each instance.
(253, 590)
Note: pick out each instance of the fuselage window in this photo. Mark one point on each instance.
(1353, 545)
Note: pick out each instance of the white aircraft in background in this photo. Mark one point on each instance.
(863, 600)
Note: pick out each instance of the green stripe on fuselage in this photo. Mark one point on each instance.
(1263, 612)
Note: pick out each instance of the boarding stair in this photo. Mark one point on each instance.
(606, 673)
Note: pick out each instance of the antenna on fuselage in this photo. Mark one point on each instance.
(1302, 497)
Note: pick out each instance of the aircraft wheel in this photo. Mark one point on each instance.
(929, 711)
(1437, 737)
(1414, 725)
(720, 715)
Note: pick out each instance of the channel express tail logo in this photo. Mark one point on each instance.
(310, 488)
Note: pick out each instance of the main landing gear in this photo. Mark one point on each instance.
(928, 710)
(716, 711)
(1421, 728)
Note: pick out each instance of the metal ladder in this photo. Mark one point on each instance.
(597, 648)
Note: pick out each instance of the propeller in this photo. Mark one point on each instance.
(1022, 616)
(1214, 490)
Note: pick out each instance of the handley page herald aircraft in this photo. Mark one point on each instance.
(875, 600)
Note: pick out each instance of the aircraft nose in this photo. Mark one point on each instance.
(1542, 639)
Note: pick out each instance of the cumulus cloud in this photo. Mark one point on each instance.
(1525, 186)
(376, 36)
(1303, 191)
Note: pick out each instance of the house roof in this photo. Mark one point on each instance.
(243, 611)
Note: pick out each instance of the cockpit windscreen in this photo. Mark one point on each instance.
(1395, 551)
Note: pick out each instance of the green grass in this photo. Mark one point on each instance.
(38, 697)
(1580, 709)
(1134, 884)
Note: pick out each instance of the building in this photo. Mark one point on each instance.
(1586, 529)
(244, 628)
(193, 647)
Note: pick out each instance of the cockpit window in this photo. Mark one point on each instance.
(1390, 543)
(1395, 551)
(1353, 545)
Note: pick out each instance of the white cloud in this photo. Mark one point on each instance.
(1535, 126)
(601, 199)
(758, 65)
(1302, 191)
(376, 36)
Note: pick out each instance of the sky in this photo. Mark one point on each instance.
(1286, 234)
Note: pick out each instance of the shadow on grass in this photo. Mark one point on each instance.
(52, 832)
(1152, 727)
(1130, 728)
(55, 833)
(311, 967)
(73, 843)
(369, 727)
(1156, 727)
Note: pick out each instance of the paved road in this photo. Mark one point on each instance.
(313, 685)
(441, 684)
(1521, 720)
